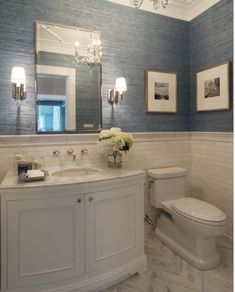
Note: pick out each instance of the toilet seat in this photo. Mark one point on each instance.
(198, 211)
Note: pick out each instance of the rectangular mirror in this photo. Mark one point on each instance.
(68, 79)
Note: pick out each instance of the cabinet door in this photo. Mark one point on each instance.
(45, 240)
(113, 227)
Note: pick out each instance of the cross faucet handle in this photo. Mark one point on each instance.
(56, 153)
(84, 151)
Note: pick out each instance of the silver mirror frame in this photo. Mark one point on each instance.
(87, 131)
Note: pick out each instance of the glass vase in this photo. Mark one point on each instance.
(115, 159)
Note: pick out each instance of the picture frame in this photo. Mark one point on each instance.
(160, 92)
(212, 88)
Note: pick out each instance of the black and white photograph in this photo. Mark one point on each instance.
(212, 88)
(161, 90)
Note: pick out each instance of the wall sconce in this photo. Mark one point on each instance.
(115, 95)
(18, 80)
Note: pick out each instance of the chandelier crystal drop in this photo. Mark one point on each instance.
(156, 3)
(94, 52)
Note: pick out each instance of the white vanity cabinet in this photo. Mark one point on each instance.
(113, 227)
(45, 240)
(78, 237)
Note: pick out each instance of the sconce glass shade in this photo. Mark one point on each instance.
(18, 80)
(120, 85)
(115, 96)
(18, 76)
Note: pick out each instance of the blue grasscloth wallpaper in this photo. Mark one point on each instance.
(133, 40)
(211, 43)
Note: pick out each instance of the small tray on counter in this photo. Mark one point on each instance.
(25, 178)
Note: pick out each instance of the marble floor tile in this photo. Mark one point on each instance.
(167, 272)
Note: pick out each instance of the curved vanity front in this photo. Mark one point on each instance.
(80, 234)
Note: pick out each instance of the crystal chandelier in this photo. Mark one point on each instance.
(156, 3)
(94, 52)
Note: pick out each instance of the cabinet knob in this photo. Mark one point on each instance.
(79, 200)
(90, 199)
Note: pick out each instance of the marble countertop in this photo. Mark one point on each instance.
(11, 181)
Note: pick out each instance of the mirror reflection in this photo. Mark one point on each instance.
(68, 78)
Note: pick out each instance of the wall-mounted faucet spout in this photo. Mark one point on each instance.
(71, 152)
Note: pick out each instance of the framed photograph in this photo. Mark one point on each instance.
(161, 92)
(213, 88)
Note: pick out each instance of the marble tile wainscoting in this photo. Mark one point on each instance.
(149, 150)
(206, 156)
(212, 171)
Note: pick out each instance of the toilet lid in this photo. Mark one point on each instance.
(198, 209)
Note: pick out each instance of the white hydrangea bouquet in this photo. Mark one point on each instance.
(114, 140)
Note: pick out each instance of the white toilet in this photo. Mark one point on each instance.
(188, 226)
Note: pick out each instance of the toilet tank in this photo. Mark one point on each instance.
(166, 184)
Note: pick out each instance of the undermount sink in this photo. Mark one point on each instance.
(74, 172)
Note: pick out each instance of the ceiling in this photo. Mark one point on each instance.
(180, 9)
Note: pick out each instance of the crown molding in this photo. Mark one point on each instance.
(198, 7)
(179, 9)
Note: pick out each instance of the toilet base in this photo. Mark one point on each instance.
(198, 251)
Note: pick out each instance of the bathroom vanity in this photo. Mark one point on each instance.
(79, 234)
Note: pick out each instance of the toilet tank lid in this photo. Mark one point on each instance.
(167, 172)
